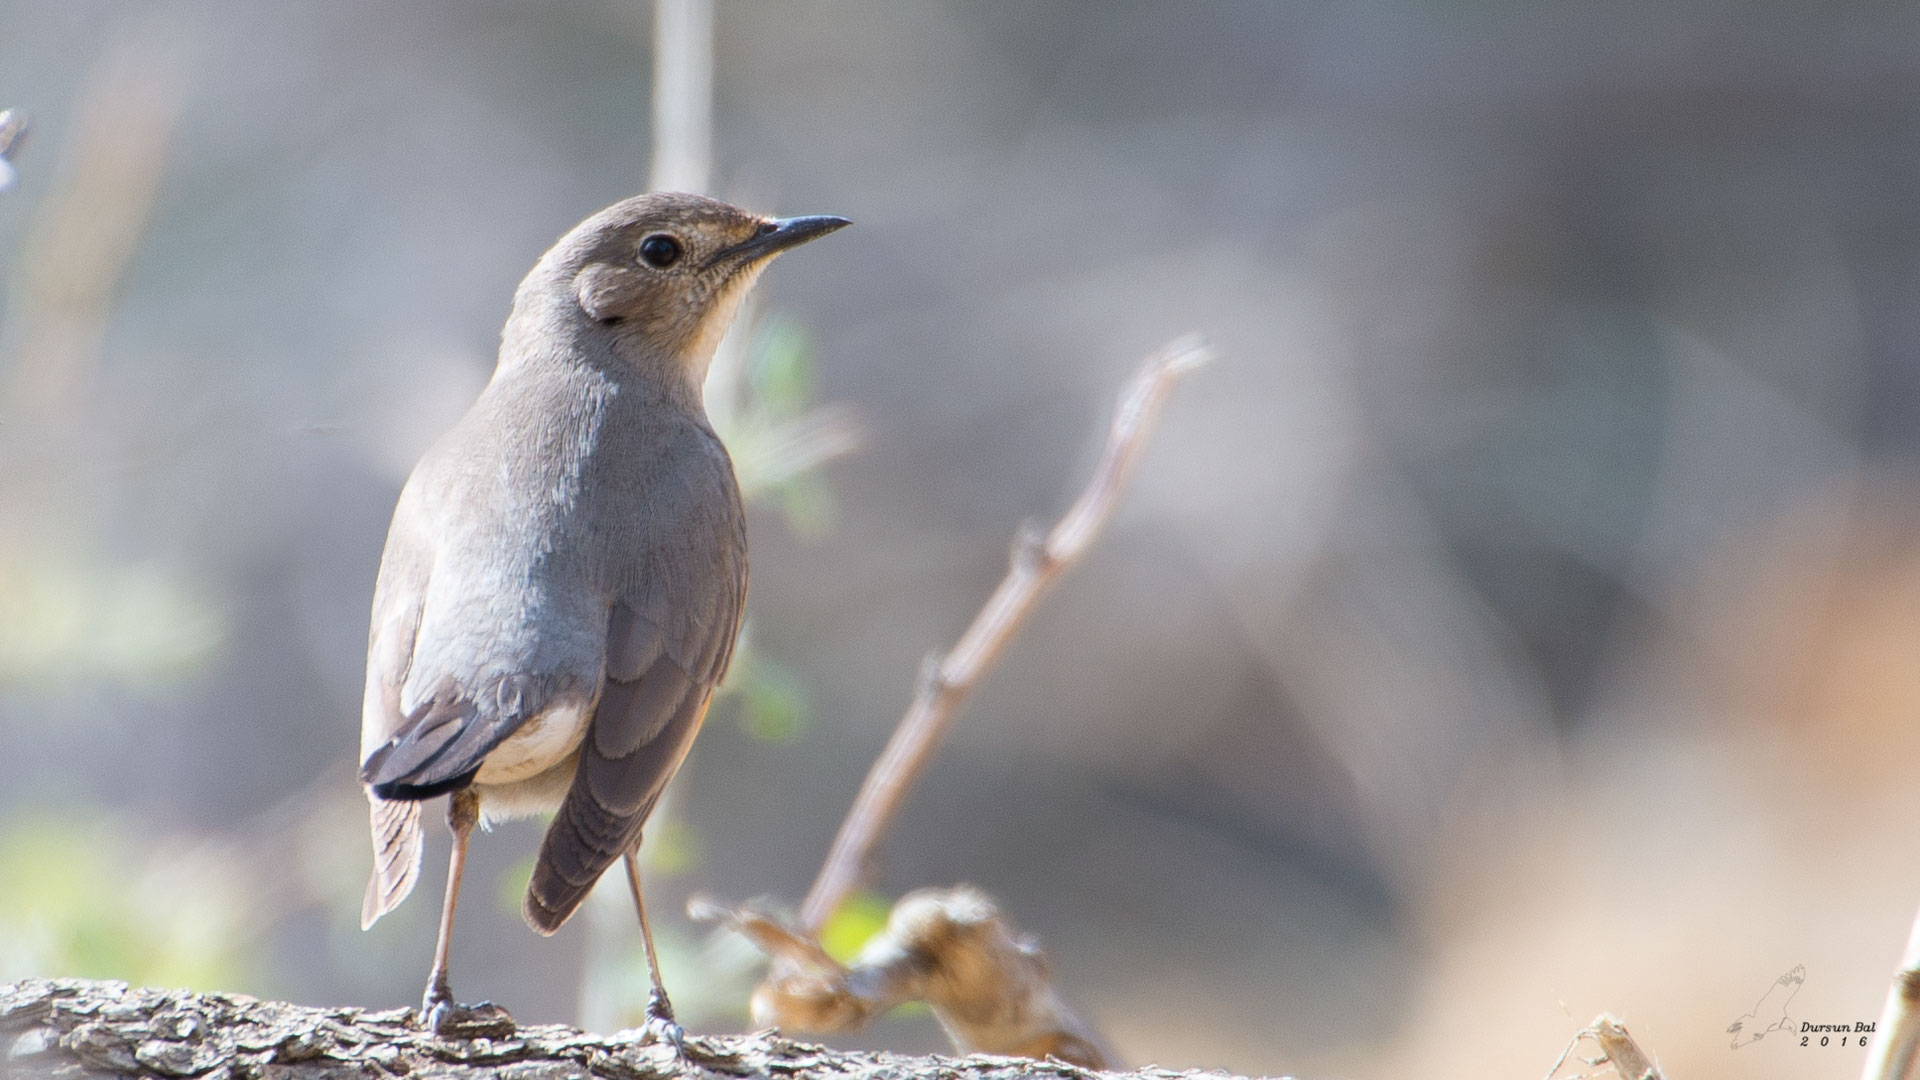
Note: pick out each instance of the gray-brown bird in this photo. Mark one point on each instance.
(566, 569)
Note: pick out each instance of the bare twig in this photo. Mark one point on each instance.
(14, 126)
(988, 984)
(768, 932)
(1897, 1034)
(1038, 562)
(682, 95)
(1631, 1062)
(13, 131)
(1617, 1049)
(84, 231)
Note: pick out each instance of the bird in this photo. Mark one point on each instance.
(565, 573)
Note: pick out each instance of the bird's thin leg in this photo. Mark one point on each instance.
(463, 811)
(438, 1009)
(659, 1010)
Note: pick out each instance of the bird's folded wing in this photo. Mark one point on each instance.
(661, 671)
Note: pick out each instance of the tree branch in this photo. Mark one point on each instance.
(1897, 1035)
(70, 1029)
(13, 131)
(682, 95)
(1618, 1051)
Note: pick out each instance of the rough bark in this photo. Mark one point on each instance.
(75, 1029)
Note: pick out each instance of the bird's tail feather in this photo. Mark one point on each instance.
(396, 856)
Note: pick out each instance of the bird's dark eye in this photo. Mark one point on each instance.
(660, 250)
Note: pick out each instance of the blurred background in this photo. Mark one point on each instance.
(1519, 620)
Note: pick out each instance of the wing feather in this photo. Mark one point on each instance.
(654, 720)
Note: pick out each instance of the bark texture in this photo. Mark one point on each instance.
(75, 1029)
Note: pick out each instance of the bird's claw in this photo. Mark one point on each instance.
(666, 1031)
(451, 1020)
(662, 1028)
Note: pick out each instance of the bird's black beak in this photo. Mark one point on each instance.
(776, 236)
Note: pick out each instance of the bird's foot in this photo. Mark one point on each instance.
(449, 1019)
(661, 1026)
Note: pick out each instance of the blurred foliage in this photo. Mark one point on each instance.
(853, 924)
(710, 977)
(761, 397)
(857, 921)
(781, 367)
(69, 614)
(511, 887)
(84, 898)
(807, 502)
(672, 848)
(774, 703)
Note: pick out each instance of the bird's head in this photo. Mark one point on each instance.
(664, 273)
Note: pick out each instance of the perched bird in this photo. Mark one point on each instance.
(565, 572)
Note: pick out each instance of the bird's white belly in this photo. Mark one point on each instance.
(541, 743)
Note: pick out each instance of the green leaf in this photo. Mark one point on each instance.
(70, 613)
(672, 847)
(855, 923)
(807, 501)
(781, 370)
(81, 898)
(511, 888)
(775, 706)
